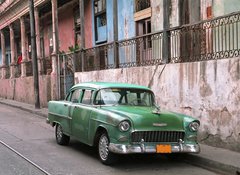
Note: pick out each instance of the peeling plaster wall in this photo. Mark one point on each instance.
(204, 5)
(66, 29)
(126, 23)
(88, 25)
(222, 7)
(207, 90)
(21, 89)
(157, 15)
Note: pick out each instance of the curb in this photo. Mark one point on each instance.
(211, 165)
(25, 109)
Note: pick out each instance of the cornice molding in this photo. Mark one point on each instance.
(16, 10)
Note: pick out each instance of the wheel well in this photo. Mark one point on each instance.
(54, 124)
(99, 131)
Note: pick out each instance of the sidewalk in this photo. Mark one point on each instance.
(216, 159)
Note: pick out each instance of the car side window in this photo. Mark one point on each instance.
(68, 98)
(87, 97)
(76, 96)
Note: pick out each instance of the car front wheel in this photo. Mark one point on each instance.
(105, 155)
(61, 138)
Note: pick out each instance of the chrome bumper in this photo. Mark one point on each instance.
(142, 148)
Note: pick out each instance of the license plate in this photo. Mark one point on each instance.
(163, 149)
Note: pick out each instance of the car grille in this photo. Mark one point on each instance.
(157, 136)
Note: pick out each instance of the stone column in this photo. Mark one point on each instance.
(4, 71)
(37, 27)
(24, 50)
(12, 46)
(54, 75)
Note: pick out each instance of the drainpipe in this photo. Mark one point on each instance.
(34, 54)
(115, 28)
(166, 33)
(82, 44)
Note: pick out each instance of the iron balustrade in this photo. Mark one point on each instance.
(207, 40)
(144, 50)
(99, 57)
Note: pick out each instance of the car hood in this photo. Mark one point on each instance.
(144, 118)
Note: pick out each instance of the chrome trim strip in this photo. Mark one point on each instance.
(101, 121)
(63, 116)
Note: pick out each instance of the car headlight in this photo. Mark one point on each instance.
(193, 126)
(124, 126)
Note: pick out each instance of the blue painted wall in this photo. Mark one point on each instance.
(126, 29)
(126, 24)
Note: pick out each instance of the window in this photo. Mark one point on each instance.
(76, 96)
(119, 96)
(144, 48)
(100, 20)
(143, 28)
(142, 4)
(87, 96)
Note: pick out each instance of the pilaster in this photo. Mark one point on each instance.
(4, 73)
(12, 46)
(54, 75)
(38, 44)
(23, 46)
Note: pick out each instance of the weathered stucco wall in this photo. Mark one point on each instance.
(21, 89)
(208, 90)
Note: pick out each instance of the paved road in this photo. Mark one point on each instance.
(32, 137)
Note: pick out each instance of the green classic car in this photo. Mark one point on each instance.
(121, 118)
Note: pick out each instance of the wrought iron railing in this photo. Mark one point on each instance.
(29, 69)
(208, 40)
(141, 51)
(18, 71)
(100, 57)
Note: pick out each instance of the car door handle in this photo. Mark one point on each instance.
(65, 105)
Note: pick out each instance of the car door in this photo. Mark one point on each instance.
(81, 113)
(63, 108)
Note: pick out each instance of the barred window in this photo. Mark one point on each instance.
(100, 19)
(142, 4)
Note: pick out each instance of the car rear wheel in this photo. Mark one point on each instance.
(61, 138)
(105, 155)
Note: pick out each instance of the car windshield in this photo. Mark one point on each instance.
(124, 96)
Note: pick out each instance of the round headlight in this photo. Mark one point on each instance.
(193, 126)
(124, 126)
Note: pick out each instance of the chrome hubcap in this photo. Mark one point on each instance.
(103, 147)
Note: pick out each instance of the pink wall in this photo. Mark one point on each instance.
(47, 36)
(66, 29)
(21, 89)
(88, 25)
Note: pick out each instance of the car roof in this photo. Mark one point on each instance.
(102, 85)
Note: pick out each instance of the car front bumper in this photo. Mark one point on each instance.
(142, 148)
